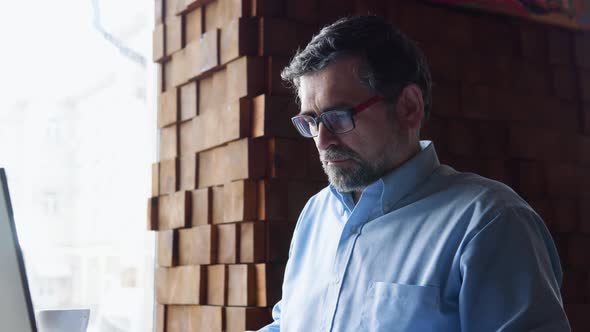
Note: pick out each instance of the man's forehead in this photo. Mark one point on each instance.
(338, 82)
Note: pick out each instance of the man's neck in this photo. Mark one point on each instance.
(356, 196)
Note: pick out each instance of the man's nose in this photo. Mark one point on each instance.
(325, 138)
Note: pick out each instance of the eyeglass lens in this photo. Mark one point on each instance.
(335, 121)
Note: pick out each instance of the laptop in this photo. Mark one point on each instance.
(16, 307)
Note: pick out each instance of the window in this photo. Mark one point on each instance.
(77, 139)
(50, 203)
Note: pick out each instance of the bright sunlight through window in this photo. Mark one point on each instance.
(77, 138)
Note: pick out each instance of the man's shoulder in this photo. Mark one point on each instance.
(478, 189)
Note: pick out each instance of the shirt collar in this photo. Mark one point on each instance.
(400, 181)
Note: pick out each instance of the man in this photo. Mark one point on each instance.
(398, 242)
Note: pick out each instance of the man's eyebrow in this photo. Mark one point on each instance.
(341, 105)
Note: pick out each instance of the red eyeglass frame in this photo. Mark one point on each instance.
(353, 110)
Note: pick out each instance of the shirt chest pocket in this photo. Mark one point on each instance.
(397, 307)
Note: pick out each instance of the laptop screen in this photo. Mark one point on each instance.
(16, 309)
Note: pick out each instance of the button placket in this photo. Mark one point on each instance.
(336, 280)
(335, 288)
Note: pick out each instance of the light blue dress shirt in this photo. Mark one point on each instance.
(426, 248)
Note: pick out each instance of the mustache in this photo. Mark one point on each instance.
(339, 152)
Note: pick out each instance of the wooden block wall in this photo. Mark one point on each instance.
(511, 102)
(232, 172)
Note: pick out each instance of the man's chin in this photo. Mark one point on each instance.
(344, 186)
(344, 182)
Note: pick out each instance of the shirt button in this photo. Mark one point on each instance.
(336, 280)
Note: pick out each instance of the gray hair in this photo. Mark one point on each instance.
(390, 60)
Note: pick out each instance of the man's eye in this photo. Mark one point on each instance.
(336, 116)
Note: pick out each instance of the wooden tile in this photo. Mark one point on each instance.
(227, 243)
(152, 214)
(269, 280)
(158, 51)
(167, 108)
(188, 101)
(160, 319)
(228, 122)
(289, 158)
(183, 318)
(238, 115)
(193, 25)
(158, 11)
(238, 159)
(271, 116)
(233, 9)
(277, 37)
(205, 89)
(180, 285)
(216, 284)
(189, 6)
(212, 16)
(238, 37)
(194, 319)
(241, 285)
(201, 207)
(303, 10)
(174, 210)
(240, 201)
(252, 242)
(170, 8)
(240, 319)
(272, 200)
(188, 172)
(267, 8)
(218, 204)
(186, 138)
(246, 159)
(211, 319)
(173, 31)
(167, 72)
(167, 248)
(155, 179)
(274, 82)
(209, 172)
(180, 61)
(160, 84)
(197, 245)
(201, 55)
(209, 51)
(219, 89)
(168, 142)
(168, 176)
(245, 77)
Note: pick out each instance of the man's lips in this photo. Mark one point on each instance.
(336, 161)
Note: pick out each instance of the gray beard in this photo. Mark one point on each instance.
(355, 176)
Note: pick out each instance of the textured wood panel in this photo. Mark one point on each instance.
(180, 285)
(197, 245)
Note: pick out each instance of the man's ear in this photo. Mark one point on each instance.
(410, 107)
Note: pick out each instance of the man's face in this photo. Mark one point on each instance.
(355, 159)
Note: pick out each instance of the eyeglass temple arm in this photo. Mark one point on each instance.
(363, 106)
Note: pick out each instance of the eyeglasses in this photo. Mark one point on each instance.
(337, 121)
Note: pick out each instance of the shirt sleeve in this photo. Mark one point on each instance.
(511, 277)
